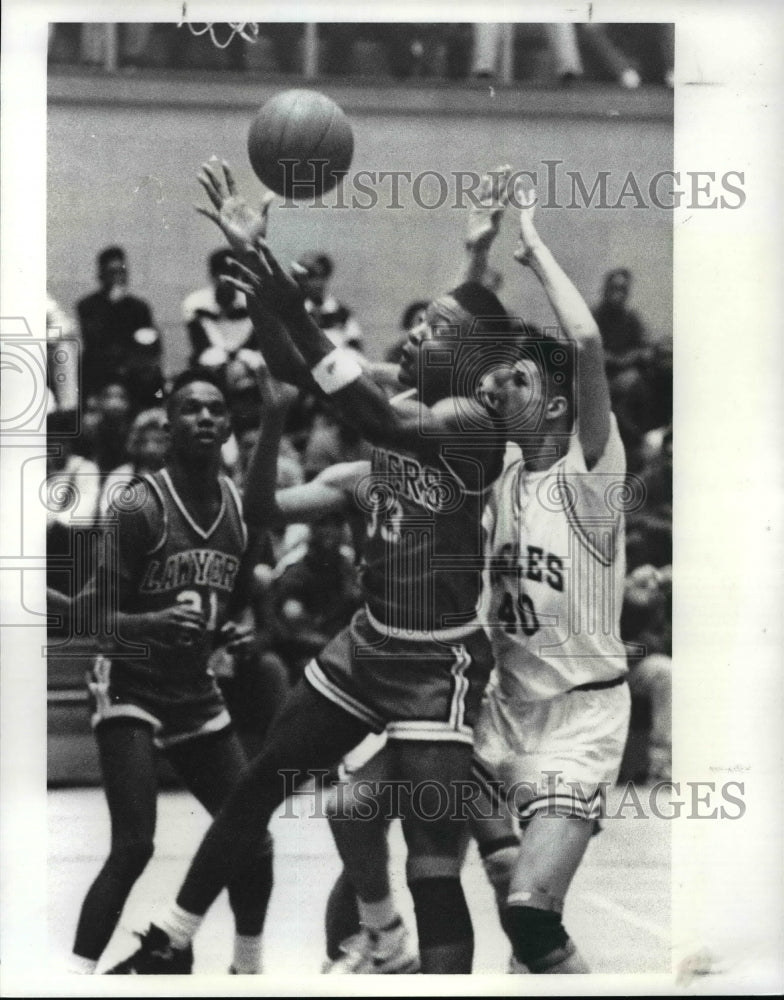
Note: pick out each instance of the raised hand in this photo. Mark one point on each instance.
(265, 281)
(525, 197)
(242, 225)
(484, 219)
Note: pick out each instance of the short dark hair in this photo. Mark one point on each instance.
(556, 358)
(479, 301)
(110, 253)
(410, 312)
(192, 375)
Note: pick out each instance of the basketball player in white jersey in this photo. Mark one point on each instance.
(555, 715)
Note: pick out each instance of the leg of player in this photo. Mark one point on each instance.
(341, 917)
(127, 756)
(551, 850)
(494, 829)
(357, 809)
(651, 678)
(434, 828)
(309, 731)
(210, 766)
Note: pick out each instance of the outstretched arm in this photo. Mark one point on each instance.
(267, 505)
(279, 312)
(355, 396)
(242, 226)
(259, 503)
(577, 324)
(484, 222)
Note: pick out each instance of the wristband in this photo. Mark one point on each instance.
(336, 370)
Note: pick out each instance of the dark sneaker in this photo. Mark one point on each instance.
(155, 957)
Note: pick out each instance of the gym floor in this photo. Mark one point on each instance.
(618, 910)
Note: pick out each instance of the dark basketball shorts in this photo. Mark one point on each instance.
(117, 692)
(424, 688)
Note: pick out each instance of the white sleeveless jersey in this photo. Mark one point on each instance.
(555, 571)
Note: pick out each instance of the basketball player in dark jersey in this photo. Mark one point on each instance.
(415, 660)
(171, 568)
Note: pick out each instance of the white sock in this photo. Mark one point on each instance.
(247, 954)
(78, 965)
(180, 925)
(378, 915)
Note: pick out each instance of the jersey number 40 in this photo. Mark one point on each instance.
(518, 614)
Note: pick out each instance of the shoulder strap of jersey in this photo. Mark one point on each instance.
(235, 495)
(157, 492)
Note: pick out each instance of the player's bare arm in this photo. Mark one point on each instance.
(355, 396)
(243, 225)
(576, 323)
(303, 503)
(484, 221)
(170, 627)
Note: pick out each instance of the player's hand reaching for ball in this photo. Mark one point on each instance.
(263, 279)
(484, 218)
(525, 198)
(242, 225)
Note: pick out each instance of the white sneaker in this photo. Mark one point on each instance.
(629, 79)
(517, 968)
(375, 953)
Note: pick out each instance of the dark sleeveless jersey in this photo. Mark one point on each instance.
(166, 558)
(422, 565)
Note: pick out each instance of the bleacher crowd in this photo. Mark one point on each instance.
(306, 585)
(625, 54)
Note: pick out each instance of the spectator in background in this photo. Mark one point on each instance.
(216, 317)
(108, 427)
(330, 441)
(314, 592)
(622, 330)
(631, 53)
(147, 446)
(649, 530)
(646, 620)
(334, 318)
(119, 339)
(487, 40)
(627, 354)
(564, 41)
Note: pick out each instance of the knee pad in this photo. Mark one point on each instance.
(441, 912)
(539, 938)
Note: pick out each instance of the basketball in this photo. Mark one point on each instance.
(300, 144)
